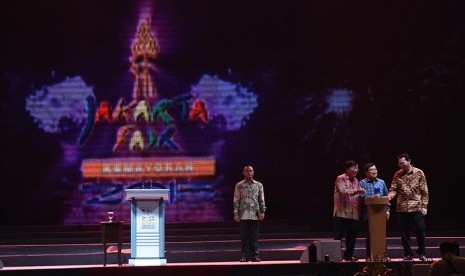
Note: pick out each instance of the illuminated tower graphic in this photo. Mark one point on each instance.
(145, 123)
(145, 153)
(144, 51)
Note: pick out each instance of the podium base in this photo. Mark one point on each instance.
(147, 261)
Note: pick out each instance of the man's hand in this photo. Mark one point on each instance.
(387, 215)
(236, 218)
(261, 216)
(423, 211)
(361, 191)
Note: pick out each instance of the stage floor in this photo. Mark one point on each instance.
(199, 249)
(264, 268)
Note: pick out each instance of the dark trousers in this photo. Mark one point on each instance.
(249, 237)
(348, 228)
(406, 220)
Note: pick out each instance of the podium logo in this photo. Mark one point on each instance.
(148, 222)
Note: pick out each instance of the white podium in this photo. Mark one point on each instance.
(147, 226)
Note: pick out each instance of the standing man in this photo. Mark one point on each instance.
(346, 214)
(249, 210)
(409, 184)
(374, 187)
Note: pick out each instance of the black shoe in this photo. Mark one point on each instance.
(422, 258)
(350, 259)
(256, 259)
(408, 258)
(244, 259)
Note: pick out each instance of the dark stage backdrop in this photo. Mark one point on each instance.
(101, 96)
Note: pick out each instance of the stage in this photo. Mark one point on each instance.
(399, 267)
(196, 249)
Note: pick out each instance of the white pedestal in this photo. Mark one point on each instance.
(147, 226)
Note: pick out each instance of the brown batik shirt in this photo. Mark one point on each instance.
(411, 190)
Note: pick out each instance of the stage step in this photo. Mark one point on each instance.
(209, 242)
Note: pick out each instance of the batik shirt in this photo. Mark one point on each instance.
(377, 187)
(411, 190)
(249, 200)
(346, 202)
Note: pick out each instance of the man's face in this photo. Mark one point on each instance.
(248, 172)
(403, 164)
(352, 171)
(372, 172)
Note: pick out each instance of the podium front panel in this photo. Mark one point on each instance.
(147, 239)
(377, 226)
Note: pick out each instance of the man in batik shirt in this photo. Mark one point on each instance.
(346, 213)
(409, 184)
(249, 210)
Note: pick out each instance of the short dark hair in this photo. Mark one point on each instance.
(449, 247)
(351, 163)
(368, 166)
(404, 155)
(247, 166)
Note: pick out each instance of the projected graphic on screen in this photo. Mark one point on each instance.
(51, 104)
(97, 98)
(146, 140)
